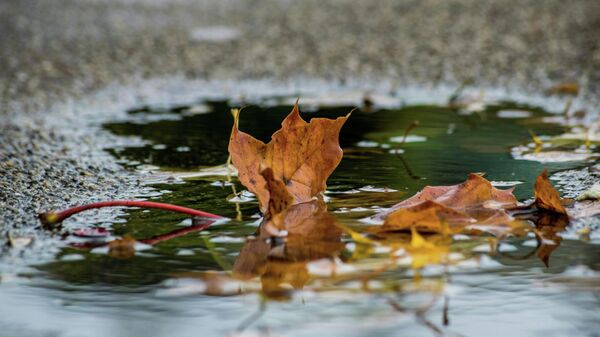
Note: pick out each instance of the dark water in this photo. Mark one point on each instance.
(165, 290)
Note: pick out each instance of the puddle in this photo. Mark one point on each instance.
(177, 280)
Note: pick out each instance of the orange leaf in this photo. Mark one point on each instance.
(301, 155)
(450, 209)
(475, 192)
(427, 216)
(122, 248)
(546, 197)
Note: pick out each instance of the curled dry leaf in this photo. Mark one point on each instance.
(301, 155)
(546, 196)
(474, 205)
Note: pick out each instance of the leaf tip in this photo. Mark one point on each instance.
(236, 117)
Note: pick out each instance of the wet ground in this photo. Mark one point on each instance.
(178, 280)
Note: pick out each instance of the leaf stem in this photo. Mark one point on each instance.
(53, 218)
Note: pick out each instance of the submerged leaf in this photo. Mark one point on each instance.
(301, 155)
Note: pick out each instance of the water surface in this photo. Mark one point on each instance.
(164, 289)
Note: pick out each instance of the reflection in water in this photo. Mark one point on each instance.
(312, 234)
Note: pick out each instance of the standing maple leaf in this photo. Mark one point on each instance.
(301, 155)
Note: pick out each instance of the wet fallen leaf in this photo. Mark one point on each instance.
(302, 155)
(427, 216)
(476, 191)
(451, 209)
(122, 248)
(567, 88)
(546, 196)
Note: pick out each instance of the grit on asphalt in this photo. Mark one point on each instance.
(54, 55)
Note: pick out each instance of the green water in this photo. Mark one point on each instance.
(152, 293)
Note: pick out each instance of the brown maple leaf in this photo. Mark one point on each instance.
(475, 192)
(546, 196)
(475, 205)
(427, 216)
(301, 155)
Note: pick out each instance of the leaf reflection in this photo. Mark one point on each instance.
(281, 262)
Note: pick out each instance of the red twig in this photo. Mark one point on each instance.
(53, 218)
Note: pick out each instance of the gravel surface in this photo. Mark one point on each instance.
(55, 55)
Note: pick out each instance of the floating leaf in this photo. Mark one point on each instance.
(302, 155)
(427, 216)
(476, 191)
(451, 209)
